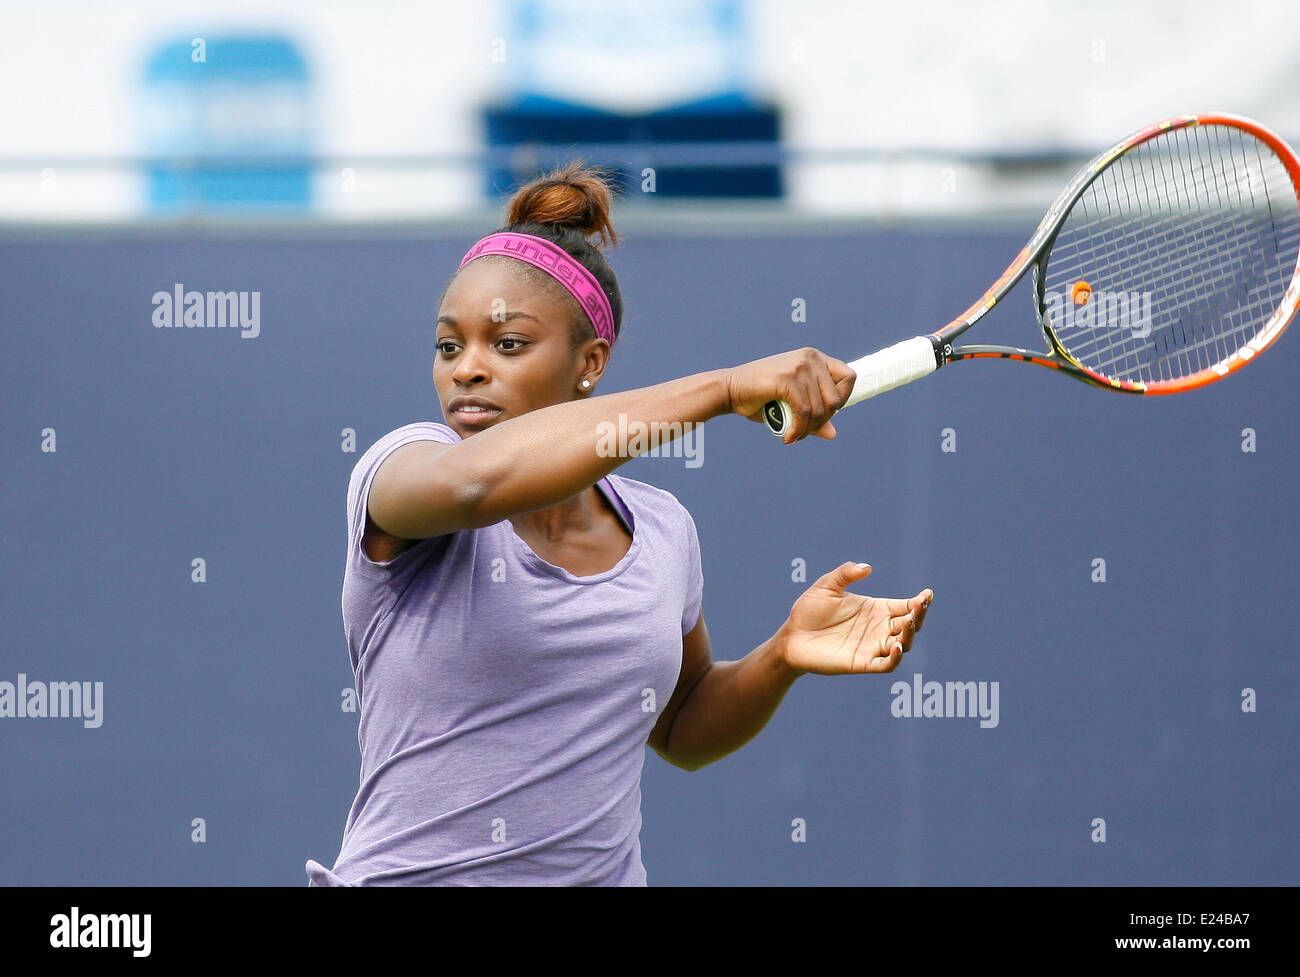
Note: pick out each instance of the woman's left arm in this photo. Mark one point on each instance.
(718, 707)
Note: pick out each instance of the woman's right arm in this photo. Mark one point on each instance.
(541, 458)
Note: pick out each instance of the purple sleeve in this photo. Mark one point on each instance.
(695, 578)
(363, 474)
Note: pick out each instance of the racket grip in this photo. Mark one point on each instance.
(877, 372)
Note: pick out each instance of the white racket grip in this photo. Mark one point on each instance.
(891, 367)
(882, 370)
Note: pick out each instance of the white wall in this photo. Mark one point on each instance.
(407, 78)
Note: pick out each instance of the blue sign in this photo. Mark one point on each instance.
(228, 124)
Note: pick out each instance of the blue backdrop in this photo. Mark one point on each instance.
(1123, 710)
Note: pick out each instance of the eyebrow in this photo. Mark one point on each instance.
(452, 321)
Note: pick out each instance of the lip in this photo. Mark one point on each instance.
(473, 418)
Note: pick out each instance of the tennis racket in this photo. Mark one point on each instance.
(1169, 261)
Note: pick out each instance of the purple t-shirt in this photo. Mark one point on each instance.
(505, 702)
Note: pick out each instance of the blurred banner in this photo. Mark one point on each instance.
(635, 57)
(207, 104)
(400, 111)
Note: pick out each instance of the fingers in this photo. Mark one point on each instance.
(819, 412)
(899, 607)
(886, 663)
(817, 395)
(912, 609)
(904, 623)
(901, 631)
(892, 648)
(922, 604)
(826, 431)
(811, 412)
(843, 575)
(845, 378)
(831, 394)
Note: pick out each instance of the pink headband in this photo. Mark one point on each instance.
(560, 265)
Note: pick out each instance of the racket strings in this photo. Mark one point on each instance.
(1188, 338)
(1187, 244)
(1185, 343)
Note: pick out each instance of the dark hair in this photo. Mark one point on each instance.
(567, 206)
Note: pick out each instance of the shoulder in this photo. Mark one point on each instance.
(419, 431)
(644, 491)
(372, 547)
(390, 442)
(644, 497)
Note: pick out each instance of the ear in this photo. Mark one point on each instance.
(595, 357)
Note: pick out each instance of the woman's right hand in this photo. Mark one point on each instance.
(813, 384)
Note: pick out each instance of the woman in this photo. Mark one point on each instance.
(520, 620)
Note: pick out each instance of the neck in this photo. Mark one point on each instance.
(553, 523)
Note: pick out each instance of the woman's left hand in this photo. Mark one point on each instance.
(832, 632)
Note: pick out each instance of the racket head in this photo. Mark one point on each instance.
(1173, 259)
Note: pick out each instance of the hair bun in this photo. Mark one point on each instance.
(574, 195)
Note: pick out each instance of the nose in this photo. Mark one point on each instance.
(470, 366)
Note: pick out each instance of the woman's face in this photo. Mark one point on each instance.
(504, 345)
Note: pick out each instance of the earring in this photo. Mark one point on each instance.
(586, 384)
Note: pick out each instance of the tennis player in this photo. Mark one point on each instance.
(521, 620)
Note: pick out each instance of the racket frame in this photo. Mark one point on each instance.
(1036, 252)
(903, 369)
